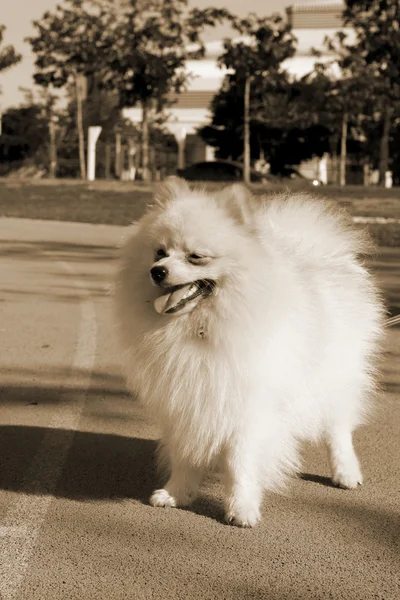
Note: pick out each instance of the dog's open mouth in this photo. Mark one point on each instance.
(183, 296)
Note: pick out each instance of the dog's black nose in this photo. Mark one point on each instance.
(159, 274)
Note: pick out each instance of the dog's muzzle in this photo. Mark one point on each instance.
(183, 296)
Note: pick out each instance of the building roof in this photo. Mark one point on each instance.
(322, 5)
(315, 15)
(193, 98)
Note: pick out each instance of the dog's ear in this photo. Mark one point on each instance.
(240, 204)
(171, 188)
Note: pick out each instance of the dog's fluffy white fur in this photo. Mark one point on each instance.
(283, 349)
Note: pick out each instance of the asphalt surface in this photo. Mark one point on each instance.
(77, 465)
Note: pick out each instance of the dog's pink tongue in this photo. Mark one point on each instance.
(164, 303)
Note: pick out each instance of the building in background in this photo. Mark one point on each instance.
(311, 22)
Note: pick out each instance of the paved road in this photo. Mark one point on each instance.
(76, 460)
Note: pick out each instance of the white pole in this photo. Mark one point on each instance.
(93, 136)
(180, 136)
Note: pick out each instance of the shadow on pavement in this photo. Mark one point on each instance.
(99, 466)
(326, 481)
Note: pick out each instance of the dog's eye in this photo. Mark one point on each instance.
(161, 253)
(197, 258)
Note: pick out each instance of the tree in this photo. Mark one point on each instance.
(8, 54)
(343, 89)
(135, 48)
(285, 121)
(256, 57)
(23, 132)
(69, 45)
(148, 62)
(376, 23)
(289, 120)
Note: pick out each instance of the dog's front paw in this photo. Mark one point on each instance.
(162, 498)
(243, 517)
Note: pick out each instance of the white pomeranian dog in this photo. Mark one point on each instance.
(248, 325)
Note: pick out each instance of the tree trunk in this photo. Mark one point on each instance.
(343, 149)
(246, 132)
(118, 166)
(79, 125)
(53, 148)
(384, 146)
(153, 164)
(366, 174)
(333, 145)
(122, 161)
(131, 159)
(334, 168)
(145, 141)
(108, 161)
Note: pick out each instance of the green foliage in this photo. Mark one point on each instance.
(285, 126)
(148, 61)
(8, 54)
(291, 121)
(257, 54)
(264, 44)
(135, 54)
(139, 51)
(377, 26)
(282, 127)
(24, 134)
(70, 41)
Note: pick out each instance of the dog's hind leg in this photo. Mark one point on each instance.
(343, 460)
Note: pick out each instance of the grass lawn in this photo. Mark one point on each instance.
(119, 203)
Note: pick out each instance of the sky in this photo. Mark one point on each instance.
(18, 19)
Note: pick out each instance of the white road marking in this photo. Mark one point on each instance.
(381, 220)
(19, 531)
